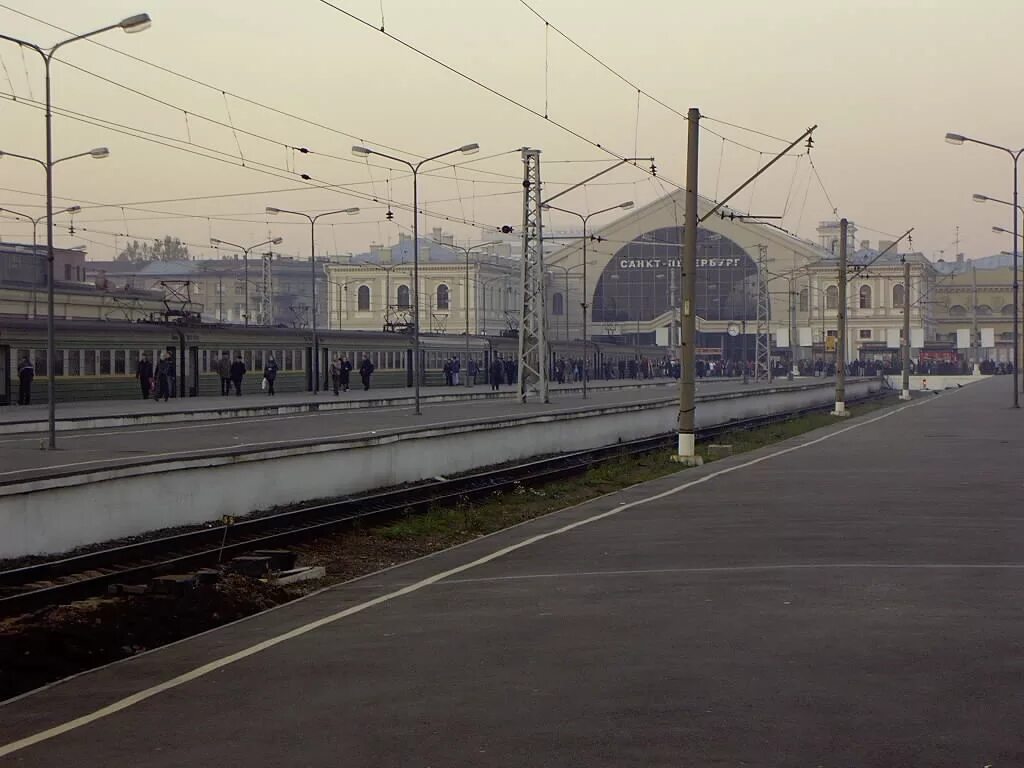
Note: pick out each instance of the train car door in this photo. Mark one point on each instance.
(325, 368)
(193, 371)
(408, 367)
(172, 355)
(5, 375)
(309, 369)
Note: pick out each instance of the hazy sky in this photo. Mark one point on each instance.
(883, 79)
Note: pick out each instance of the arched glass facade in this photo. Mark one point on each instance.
(642, 279)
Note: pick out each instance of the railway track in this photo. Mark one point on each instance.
(73, 578)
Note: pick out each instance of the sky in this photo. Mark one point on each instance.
(883, 80)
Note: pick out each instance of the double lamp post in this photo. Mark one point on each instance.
(136, 23)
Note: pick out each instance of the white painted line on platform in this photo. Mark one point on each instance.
(205, 669)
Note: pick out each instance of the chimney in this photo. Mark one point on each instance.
(959, 258)
(865, 245)
(436, 234)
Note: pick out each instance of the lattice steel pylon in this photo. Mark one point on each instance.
(533, 357)
(763, 342)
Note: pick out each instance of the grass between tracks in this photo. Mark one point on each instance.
(52, 643)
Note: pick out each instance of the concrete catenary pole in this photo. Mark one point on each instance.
(840, 409)
(686, 452)
(905, 394)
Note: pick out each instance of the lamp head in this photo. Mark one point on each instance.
(214, 241)
(73, 209)
(626, 205)
(277, 241)
(273, 210)
(99, 153)
(979, 198)
(1001, 230)
(469, 149)
(361, 151)
(137, 23)
(350, 211)
(955, 138)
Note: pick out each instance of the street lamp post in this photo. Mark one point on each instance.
(586, 218)
(1015, 155)
(312, 266)
(35, 221)
(245, 263)
(466, 149)
(136, 23)
(468, 251)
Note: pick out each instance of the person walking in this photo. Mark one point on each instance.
(472, 370)
(237, 371)
(26, 372)
(456, 370)
(365, 370)
(164, 374)
(270, 374)
(448, 372)
(224, 371)
(345, 371)
(144, 373)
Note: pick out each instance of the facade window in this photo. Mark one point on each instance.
(1007, 310)
(403, 297)
(442, 296)
(898, 295)
(865, 297)
(984, 309)
(831, 297)
(558, 304)
(363, 298)
(957, 311)
(805, 298)
(865, 333)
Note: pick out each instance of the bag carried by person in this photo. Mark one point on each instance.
(264, 384)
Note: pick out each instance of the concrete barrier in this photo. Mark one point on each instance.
(58, 514)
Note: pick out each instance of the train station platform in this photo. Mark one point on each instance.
(93, 414)
(849, 597)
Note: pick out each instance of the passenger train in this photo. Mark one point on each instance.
(98, 359)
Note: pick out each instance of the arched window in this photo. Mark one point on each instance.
(984, 310)
(957, 311)
(363, 298)
(831, 297)
(898, 295)
(865, 297)
(558, 304)
(442, 296)
(805, 296)
(403, 297)
(1007, 310)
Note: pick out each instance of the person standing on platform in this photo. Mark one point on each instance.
(472, 370)
(144, 373)
(164, 374)
(26, 372)
(365, 370)
(497, 369)
(237, 371)
(224, 371)
(448, 372)
(346, 372)
(456, 370)
(336, 374)
(270, 373)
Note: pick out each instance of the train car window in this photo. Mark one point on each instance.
(259, 360)
(105, 362)
(247, 357)
(58, 363)
(133, 361)
(39, 362)
(74, 363)
(89, 362)
(119, 361)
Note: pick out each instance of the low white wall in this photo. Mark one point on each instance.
(934, 382)
(55, 515)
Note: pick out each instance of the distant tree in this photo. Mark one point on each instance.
(166, 249)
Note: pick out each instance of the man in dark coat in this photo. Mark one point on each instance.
(365, 369)
(224, 371)
(345, 368)
(164, 374)
(237, 372)
(497, 371)
(144, 373)
(270, 374)
(26, 372)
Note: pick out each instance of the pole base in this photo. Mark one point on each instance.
(840, 409)
(905, 394)
(686, 455)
